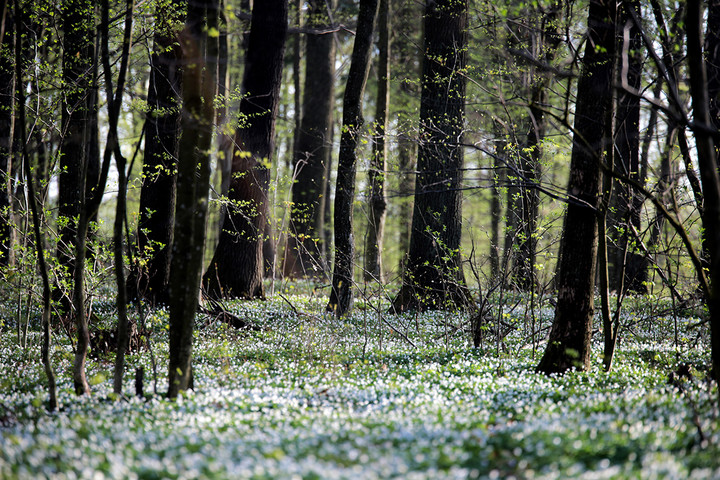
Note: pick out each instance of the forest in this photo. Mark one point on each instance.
(359, 239)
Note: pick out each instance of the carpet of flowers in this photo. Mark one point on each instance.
(374, 396)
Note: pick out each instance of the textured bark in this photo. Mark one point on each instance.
(625, 266)
(7, 121)
(341, 295)
(376, 173)
(569, 343)
(237, 267)
(704, 130)
(712, 62)
(434, 277)
(193, 183)
(305, 252)
(75, 159)
(162, 138)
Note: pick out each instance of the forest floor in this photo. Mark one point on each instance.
(374, 396)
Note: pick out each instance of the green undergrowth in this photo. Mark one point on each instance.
(372, 396)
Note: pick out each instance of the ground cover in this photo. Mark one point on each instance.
(373, 396)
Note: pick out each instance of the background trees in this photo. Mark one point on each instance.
(237, 268)
(497, 121)
(434, 277)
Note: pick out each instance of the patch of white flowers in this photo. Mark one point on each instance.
(367, 398)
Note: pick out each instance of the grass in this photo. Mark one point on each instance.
(372, 396)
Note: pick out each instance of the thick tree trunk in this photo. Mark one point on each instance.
(569, 343)
(162, 139)
(193, 182)
(341, 295)
(373, 270)
(237, 267)
(434, 277)
(75, 153)
(305, 252)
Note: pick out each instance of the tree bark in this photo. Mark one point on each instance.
(341, 295)
(704, 131)
(37, 218)
(237, 267)
(7, 122)
(376, 173)
(75, 157)
(434, 277)
(306, 248)
(162, 139)
(569, 343)
(625, 266)
(193, 182)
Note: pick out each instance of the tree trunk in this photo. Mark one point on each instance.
(544, 45)
(341, 295)
(305, 252)
(569, 343)
(376, 173)
(7, 121)
(237, 267)
(627, 269)
(162, 139)
(112, 147)
(37, 216)
(434, 277)
(704, 130)
(193, 182)
(75, 153)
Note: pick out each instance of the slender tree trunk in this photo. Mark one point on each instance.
(7, 122)
(237, 267)
(162, 138)
(569, 343)
(704, 130)
(37, 217)
(306, 247)
(341, 295)
(623, 212)
(544, 44)
(112, 147)
(405, 51)
(434, 278)
(193, 182)
(376, 173)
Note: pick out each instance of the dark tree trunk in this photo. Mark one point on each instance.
(112, 147)
(7, 121)
(626, 269)
(305, 252)
(341, 295)
(162, 138)
(434, 277)
(376, 173)
(712, 62)
(193, 182)
(704, 130)
(237, 267)
(569, 343)
(498, 179)
(75, 159)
